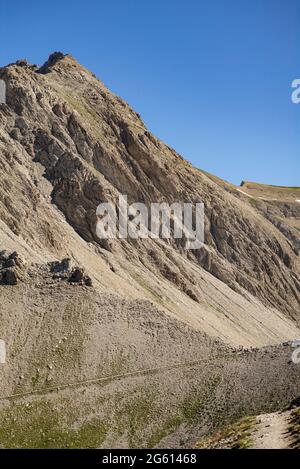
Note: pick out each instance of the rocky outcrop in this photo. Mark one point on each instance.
(78, 276)
(12, 268)
(66, 270)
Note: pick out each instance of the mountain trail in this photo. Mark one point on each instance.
(272, 431)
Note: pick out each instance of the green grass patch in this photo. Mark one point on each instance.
(235, 436)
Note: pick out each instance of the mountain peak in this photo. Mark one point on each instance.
(53, 59)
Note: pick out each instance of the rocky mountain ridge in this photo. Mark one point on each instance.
(75, 308)
(90, 146)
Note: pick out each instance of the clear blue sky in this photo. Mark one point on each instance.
(209, 77)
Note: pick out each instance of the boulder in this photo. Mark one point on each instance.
(63, 266)
(9, 277)
(77, 275)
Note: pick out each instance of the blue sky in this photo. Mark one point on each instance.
(209, 77)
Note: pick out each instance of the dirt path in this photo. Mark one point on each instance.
(92, 381)
(272, 431)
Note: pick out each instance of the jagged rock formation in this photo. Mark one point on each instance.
(67, 144)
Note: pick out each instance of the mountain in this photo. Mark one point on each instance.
(103, 336)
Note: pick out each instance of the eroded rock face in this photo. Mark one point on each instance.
(92, 147)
